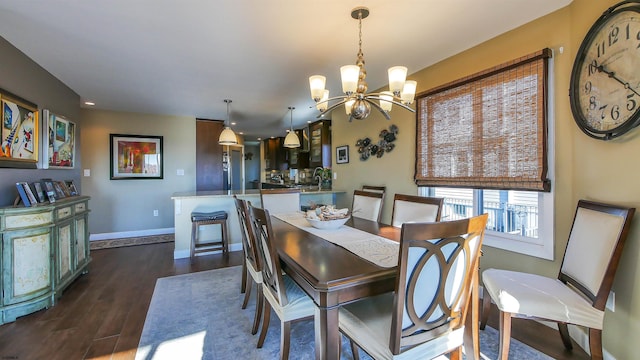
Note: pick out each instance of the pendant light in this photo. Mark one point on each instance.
(291, 141)
(227, 136)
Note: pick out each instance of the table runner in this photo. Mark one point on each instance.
(376, 249)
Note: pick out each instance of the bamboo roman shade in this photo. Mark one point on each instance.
(487, 130)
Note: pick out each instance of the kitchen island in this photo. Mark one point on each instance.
(207, 201)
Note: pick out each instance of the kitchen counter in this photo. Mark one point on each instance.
(186, 202)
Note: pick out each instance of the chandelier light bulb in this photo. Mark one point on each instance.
(408, 91)
(386, 98)
(323, 103)
(317, 85)
(350, 75)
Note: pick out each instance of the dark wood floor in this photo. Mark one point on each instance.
(101, 315)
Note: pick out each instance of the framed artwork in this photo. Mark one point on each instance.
(342, 154)
(59, 135)
(135, 157)
(18, 132)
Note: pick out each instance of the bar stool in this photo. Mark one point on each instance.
(209, 218)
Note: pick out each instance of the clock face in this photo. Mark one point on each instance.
(605, 82)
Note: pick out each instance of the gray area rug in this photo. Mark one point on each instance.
(198, 316)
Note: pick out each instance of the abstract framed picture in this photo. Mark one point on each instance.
(135, 157)
(19, 132)
(59, 141)
(342, 154)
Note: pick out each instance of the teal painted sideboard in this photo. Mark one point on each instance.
(44, 248)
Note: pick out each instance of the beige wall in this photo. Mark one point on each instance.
(127, 205)
(584, 167)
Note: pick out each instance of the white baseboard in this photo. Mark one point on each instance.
(182, 254)
(128, 234)
(578, 334)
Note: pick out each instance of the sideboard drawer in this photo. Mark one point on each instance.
(28, 220)
(64, 212)
(81, 207)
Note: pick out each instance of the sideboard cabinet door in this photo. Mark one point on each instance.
(27, 271)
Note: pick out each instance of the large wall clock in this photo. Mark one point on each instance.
(605, 79)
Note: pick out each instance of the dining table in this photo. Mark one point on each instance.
(333, 276)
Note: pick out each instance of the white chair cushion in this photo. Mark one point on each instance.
(256, 275)
(368, 323)
(409, 211)
(538, 296)
(281, 203)
(366, 207)
(300, 304)
(592, 241)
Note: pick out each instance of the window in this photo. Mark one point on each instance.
(519, 221)
(483, 146)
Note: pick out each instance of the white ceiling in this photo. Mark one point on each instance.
(184, 57)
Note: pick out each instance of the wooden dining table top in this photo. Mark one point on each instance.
(326, 266)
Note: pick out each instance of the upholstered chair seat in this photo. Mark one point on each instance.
(279, 201)
(579, 294)
(367, 205)
(411, 208)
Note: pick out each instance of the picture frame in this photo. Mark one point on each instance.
(135, 157)
(342, 154)
(59, 134)
(73, 190)
(39, 192)
(47, 185)
(19, 132)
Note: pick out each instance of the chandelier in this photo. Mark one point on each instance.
(291, 140)
(227, 136)
(356, 100)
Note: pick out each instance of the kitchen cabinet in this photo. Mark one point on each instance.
(209, 168)
(320, 144)
(299, 157)
(44, 248)
(276, 155)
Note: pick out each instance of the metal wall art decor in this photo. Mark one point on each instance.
(367, 148)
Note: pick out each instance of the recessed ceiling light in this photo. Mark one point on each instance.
(259, 139)
(89, 103)
(233, 123)
(241, 133)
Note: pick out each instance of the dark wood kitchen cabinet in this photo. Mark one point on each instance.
(209, 171)
(320, 143)
(276, 156)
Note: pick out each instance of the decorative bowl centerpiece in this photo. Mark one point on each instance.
(327, 217)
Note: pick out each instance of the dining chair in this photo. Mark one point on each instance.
(412, 208)
(579, 294)
(373, 188)
(425, 316)
(367, 205)
(252, 270)
(277, 201)
(283, 295)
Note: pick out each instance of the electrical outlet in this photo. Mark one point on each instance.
(611, 301)
(155, 212)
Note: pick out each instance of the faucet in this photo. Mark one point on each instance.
(318, 177)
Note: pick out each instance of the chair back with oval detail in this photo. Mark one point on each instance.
(424, 317)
